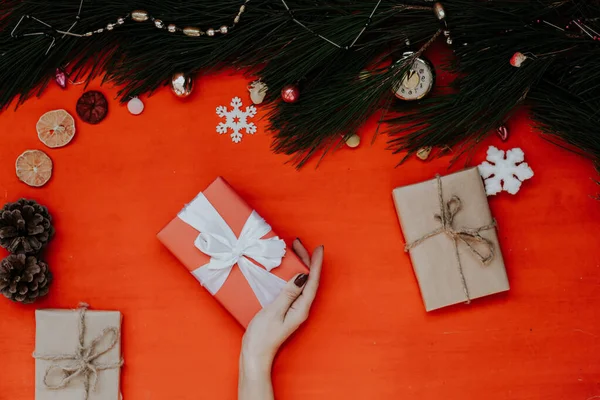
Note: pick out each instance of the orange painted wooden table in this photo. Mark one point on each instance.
(118, 183)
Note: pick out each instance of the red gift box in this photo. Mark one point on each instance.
(223, 242)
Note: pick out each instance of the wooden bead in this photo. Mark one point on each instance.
(139, 15)
(191, 31)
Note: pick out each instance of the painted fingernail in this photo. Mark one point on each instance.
(299, 241)
(300, 280)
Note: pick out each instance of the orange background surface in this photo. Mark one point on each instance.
(118, 183)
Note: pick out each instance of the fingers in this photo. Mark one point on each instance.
(312, 285)
(291, 291)
(301, 251)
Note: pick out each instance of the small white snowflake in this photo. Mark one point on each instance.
(236, 120)
(505, 174)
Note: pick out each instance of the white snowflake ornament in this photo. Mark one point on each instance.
(506, 173)
(236, 120)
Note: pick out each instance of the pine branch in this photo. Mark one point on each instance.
(489, 88)
(560, 80)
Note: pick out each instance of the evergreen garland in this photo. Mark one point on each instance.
(560, 80)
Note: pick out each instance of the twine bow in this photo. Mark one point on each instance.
(84, 360)
(471, 237)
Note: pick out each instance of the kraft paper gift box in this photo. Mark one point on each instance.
(62, 372)
(452, 242)
(230, 249)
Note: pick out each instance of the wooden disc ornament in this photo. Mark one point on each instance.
(182, 84)
(417, 82)
(56, 128)
(258, 91)
(34, 168)
(135, 106)
(92, 107)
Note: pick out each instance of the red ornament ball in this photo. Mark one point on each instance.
(517, 59)
(290, 93)
(92, 107)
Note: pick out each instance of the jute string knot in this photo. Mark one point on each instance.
(470, 236)
(83, 362)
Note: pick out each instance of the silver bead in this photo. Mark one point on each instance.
(224, 29)
(99, 30)
(210, 32)
(438, 10)
(446, 32)
(172, 28)
(88, 34)
(242, 8)
(110, 27)
(407, 42)
(191, 31)
(159, 24)
(236, 19)
(449, 40)
(139, 15)
(120, 21)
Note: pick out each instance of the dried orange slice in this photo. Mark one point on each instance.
(56, 128)
(34, 167)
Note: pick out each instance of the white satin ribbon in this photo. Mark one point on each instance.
(217, 240)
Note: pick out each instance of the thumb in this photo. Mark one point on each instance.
(289, 293)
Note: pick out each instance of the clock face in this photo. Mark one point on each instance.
(417, 82)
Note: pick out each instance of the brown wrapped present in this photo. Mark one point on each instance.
(77, 354)
(451, 237)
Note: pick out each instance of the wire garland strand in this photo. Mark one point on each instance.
(364, 28)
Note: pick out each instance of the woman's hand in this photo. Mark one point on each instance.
(274, 324)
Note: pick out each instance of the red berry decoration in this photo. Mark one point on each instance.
(92, 107)
(517, 59)
(290, 93)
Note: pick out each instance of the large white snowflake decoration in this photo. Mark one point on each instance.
(506, 173)
(236, 120)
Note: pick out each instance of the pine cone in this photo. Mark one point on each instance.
(24, 278)
(25, 227)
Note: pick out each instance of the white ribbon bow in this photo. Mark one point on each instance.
(217, 240)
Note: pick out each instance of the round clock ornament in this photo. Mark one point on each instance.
(417, 82)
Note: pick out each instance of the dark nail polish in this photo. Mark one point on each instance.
(299, 241)
(301, 280)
